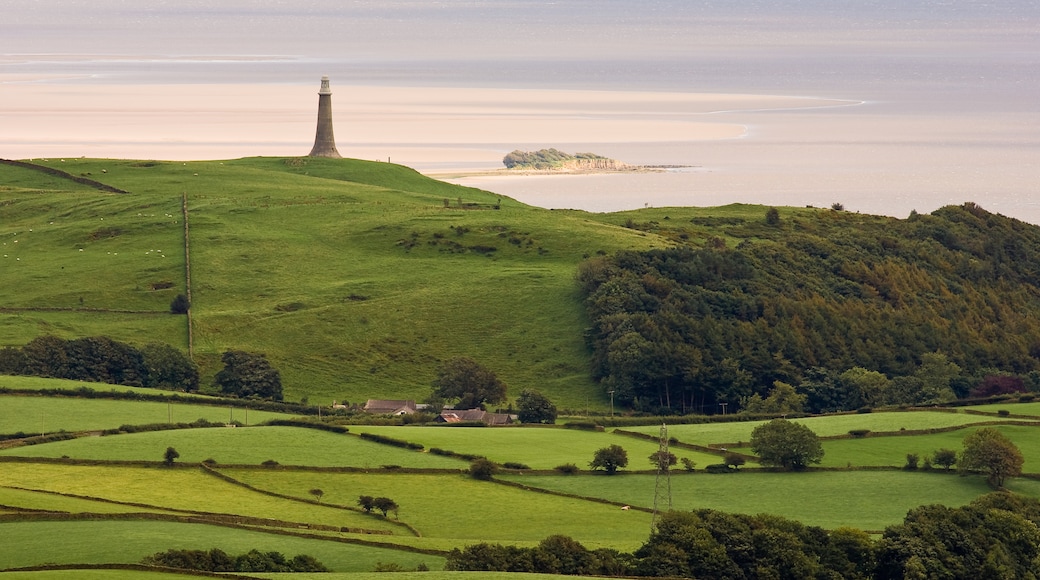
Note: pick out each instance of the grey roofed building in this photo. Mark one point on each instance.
(390, 407)
(473, 415)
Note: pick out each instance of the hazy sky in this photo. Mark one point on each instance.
(950, 88)
(684, 44)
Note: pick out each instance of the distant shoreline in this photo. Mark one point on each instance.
(505, 172)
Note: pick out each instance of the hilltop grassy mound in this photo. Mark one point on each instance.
(356, 278)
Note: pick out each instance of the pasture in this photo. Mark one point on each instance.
(536, 447)
(105, 542)
(464, 510)
(253, 446)
(40, 415)
(823, 426)
(438, 509)
(347, 273)
(868, 500)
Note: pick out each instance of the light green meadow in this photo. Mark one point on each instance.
(183, 490)
(41, 415)
(892, 450)
(824, 426)
(868, 500)
(538, 448)
(466, 510)
(105, 542)
(244, 445)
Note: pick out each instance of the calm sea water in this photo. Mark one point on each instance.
(951, 88)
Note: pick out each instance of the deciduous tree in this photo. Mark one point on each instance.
(609, 459)
(247, 374)
(468, 383)
(786, 444)
(991, 452)
(535, 407)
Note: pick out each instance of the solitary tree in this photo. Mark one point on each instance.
(180, 304)
(169, 456)
(385, 505)
(785, 444)
(991, 452)
(248, 374)
(482, 469)
(945, 458)
(469, 383)
(168, 368)
(609, 459)
(663, 460)
(535, 407)
(367, 503)
(734, 460)
(317, 493)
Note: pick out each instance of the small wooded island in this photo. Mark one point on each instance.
(554, 160)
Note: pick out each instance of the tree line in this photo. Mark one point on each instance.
(100, 359)
(848, 310)
(995, 536)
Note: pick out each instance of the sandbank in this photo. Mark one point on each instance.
(46, 116)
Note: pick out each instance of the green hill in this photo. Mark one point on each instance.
(356, 278)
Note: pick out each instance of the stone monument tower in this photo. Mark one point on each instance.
(324, 141)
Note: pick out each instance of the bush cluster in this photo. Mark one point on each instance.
(100, 359)
(391, 441)
(996, 532)
(216, 560)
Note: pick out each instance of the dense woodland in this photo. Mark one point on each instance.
(993, 537)
(849, 310)
(100, 359)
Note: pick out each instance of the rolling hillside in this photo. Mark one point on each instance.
(356, 278)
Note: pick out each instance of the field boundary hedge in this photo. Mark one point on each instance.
(64, 175)
(227, 478)
(132, 567)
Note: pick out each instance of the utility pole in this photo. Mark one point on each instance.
(611, 403)
(662, 489)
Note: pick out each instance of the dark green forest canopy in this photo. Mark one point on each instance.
(812, 295)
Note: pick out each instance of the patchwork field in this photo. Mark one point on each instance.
(109, 511)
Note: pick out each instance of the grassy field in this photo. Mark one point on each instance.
(438, 510)
(136, 575)
(104, 542)
(38, 415)
(538, 448)
(286, 445)
(17, 383)
(356, 278)
(464, 510)
(868, 500)
(826, 426)
(180, 490)
(892, 451)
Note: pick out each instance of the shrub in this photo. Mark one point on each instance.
(734, 460)
(688, 464)
(911, 461)
(1003, 412)
(180, 305)
(583, 426)
(482, 469)
(567, 468)
(512, 465)
(391, 441)
(859, 432)
(864, 410)
(719, 468)
(270, 463)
